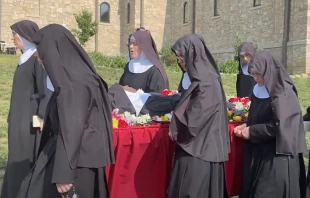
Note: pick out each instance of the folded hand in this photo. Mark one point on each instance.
(238, 130)
(129, 89)
(63, 188)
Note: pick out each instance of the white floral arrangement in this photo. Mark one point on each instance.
(133, 120)
(166, 118)
(127, 119)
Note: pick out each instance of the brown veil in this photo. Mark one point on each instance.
(148, 46)
(200, 123)
(290, 139)
(84, 109)
(25, 29)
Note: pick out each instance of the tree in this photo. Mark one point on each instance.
(86, 27)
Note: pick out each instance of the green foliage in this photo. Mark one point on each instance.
(168, 58)
(86, 27)
(101, 60)
(230, 67)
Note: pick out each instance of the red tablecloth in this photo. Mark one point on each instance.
(143, 162)
(234, 167)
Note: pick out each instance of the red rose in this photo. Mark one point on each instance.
(233, 100)
(166, 92)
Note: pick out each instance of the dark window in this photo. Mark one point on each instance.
(216, 11)
(105, 13)
(257, 3)
(185, 13)
(128, 13)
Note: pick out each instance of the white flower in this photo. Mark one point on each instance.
(239, 106)
(134, 120)
(169, 116)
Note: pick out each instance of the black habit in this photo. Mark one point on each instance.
(245, 82)
(154, 79)
(29, 97)
(307, 115)
(274, 164)
(77, 142)
(199, 126)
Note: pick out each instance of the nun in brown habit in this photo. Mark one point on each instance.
(199, 126)
(245, 83)
(144, 70)
(29, 98)
(274, 133)
(77, 139)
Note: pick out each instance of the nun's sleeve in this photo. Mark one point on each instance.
(62, 173)
(121, 81)
(260, 133)
(156, 82)
(43, 91)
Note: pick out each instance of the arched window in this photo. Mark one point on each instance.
(105, 12)
(216, 11)
(185, 13)
(257, 3)
(128, 13)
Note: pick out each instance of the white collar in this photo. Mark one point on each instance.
(140, 65)
(260, 92)
(244, 69)
(28, 50)
(186, 82)
(49, 84)
(137, 100)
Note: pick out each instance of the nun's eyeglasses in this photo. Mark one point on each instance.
(133, 43)
(257, 75)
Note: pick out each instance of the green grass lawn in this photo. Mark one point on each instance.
(111, 76)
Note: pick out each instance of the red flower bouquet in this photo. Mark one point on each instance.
(168, 92)
(240, 111)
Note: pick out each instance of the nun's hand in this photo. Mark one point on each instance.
(41, 125)
(170, 135)
(63, 188)
(245, 133)
(129, 89)
(238, 130)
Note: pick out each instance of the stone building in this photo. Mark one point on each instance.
(269, 24)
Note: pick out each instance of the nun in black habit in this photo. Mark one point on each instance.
(77, 139)
(29, 98)
(144, 70)
(273, 163)
(199, 126)
(245, 82)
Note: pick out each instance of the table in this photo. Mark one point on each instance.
(144, 162)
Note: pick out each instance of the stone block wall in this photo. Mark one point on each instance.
(43, 12)
(128, 28)
(109, 33)
(262, 25)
